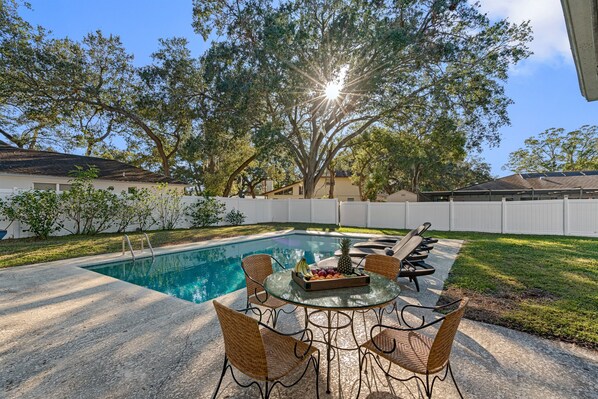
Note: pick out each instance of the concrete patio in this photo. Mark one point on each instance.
(66, 332)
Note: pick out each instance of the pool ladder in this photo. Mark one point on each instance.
(127, 240)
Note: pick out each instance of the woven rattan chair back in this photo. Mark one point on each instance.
(242, 342)
(387, 266)
(443, 342)
(258, 267)
(408, 248)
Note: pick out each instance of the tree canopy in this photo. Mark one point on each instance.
(329, 70)
(557, 150)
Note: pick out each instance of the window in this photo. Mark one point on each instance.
(300, 190)
(44, 186)
(350, 199)
(288, 191)
(64, 187)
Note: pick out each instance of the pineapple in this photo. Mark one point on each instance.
(345, 266)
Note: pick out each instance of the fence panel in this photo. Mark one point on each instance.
(279, 210)
(324, 211)
(583, 217)
(389, 215)
(477, 216)
(299, 210)
(353, 214)
(534, 217)
(436, 213)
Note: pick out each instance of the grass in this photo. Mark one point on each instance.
(545, 285)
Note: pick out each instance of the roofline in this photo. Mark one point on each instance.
(583, 40)
(487, 190)
(98, 179)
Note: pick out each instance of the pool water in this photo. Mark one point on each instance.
(204, 274)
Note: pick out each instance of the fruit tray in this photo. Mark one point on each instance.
(356, 280)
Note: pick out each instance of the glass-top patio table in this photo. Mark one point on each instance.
(343, 301)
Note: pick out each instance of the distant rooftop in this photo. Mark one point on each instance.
(45, 163)
(540, 181)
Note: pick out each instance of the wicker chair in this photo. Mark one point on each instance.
(388, 267)
(263, 354)
(413, 351)
(256, 269)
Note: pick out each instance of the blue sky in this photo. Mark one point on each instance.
(544, 88)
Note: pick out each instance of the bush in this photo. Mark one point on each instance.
(168, 205)
(136, 208)
(234, 217)
(91, 210)
(38, 210)
(207, 211)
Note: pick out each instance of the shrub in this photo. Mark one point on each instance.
(136, 208)
(168, 205)
(234, 217)
(91, 210)
(38, 210)
(207, 211)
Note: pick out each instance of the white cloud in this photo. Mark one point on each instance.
(550, 43)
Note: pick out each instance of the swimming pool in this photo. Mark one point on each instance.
(203, 274)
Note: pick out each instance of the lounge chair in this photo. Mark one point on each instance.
(391, 240)
(263, 354)
(397, 250)
(407, 348)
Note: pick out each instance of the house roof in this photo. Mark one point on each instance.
(540, 181)
(582, 29)
(45, 163)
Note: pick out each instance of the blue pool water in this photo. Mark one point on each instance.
(204, 274)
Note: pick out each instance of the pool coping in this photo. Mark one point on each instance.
(86, 262)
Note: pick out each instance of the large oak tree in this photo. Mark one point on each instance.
(326, 71)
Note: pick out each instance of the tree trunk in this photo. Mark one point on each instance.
(233, 176)
(332, 182)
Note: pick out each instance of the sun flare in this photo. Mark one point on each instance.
(332, 90)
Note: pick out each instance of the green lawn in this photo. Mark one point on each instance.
(545, 285)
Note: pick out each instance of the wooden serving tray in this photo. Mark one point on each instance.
(330, 284)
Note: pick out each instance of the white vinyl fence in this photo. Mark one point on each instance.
(558, 217)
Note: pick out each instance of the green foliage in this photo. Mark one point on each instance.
(168, 206)
(388, 60)
(234, 217)
(206, 211)
(135, 209)
(556, 150)
(90, 210)
(38, 210)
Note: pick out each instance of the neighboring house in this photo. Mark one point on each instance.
(344, 190)
(525, 187)
(399, 196)
(22, 169)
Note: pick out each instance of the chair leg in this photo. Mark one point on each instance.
(224, 368)
(453, 378)
(416, 283)
(267, 392)
(274, 317)
(317, 371)
(362, 358)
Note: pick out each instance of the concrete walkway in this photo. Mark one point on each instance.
(66, 332)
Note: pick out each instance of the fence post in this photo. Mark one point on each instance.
(406, 214)
(503, 215)
(566, 215)
(288, 210)
(367, 214)
(311, 210)
(337, 206)
(451, 214)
